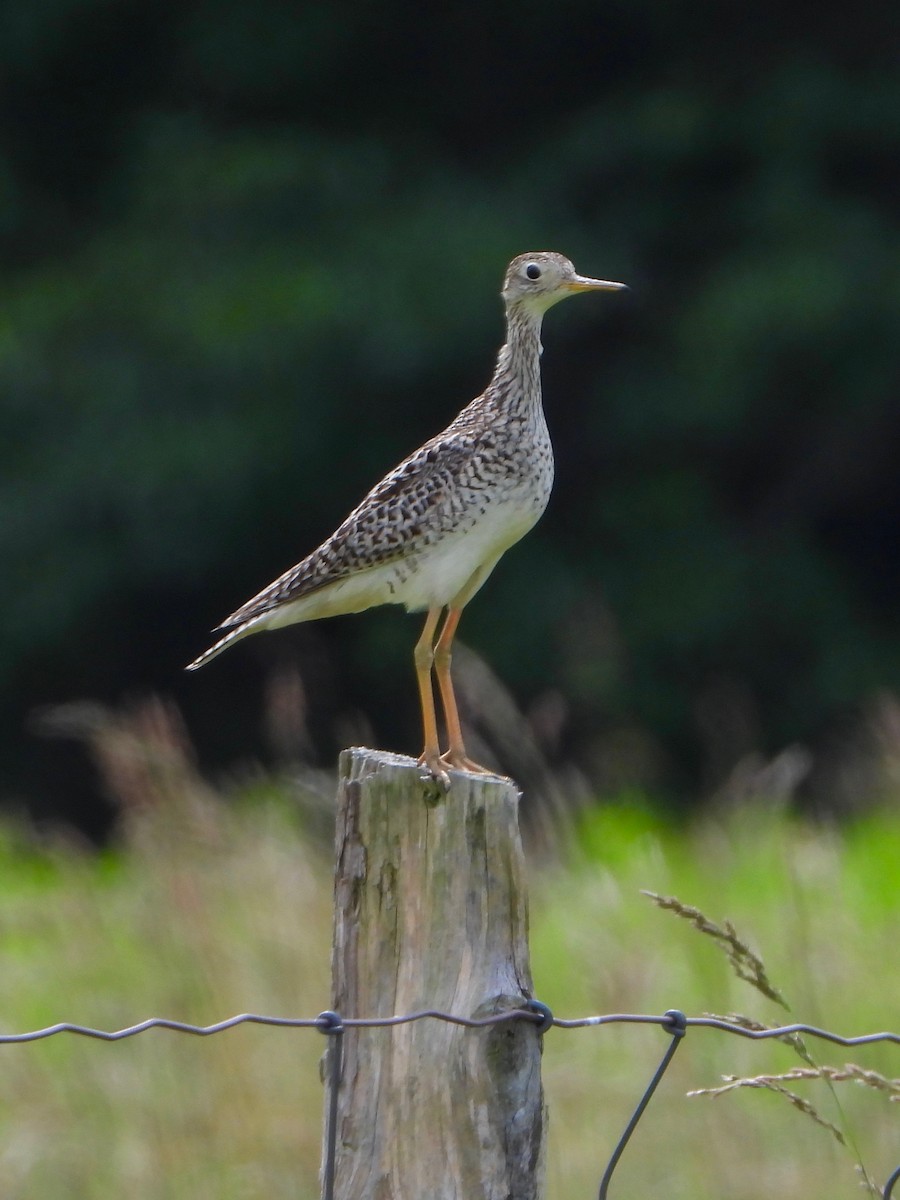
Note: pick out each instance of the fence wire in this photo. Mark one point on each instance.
(537, 1014)
(334, 1026)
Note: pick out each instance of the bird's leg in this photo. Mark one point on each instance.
(424, 658)
(443, 656)
(456, 754)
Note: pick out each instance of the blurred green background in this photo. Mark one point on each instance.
(251, 256)
(212, 904)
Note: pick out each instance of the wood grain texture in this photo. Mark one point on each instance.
(431, 912)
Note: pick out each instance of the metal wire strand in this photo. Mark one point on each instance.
(537, 1015)
(677, 1027)
(332, 1026)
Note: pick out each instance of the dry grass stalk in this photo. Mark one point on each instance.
(866, 1181)
(831, 1075)
(771, 1084)
(850, 1071)
(750, 968)
(745, 964)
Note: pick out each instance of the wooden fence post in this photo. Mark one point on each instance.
(431, 912)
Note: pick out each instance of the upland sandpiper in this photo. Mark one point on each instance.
(432, 531)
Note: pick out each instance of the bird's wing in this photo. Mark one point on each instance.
(401, 515)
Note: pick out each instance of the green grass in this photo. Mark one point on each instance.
(208, 910)
(821, 908)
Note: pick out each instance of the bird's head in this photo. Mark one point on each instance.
(537, 281)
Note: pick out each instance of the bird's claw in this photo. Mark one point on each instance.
(436, 768)
(438, 765)
(461, 762)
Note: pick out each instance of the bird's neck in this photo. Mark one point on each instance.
(516, 384)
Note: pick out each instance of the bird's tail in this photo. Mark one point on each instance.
(222, 644)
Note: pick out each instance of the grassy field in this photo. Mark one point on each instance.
(209, 909)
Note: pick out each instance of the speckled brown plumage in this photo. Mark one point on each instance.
(429, 534)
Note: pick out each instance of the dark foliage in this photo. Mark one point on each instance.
(250, 258)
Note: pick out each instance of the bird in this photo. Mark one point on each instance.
(431, 532)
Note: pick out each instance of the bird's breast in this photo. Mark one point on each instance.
(488, 521)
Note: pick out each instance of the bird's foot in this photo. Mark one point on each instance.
(438, 764)
(436, 767)
(460, 761)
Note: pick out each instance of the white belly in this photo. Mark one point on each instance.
(435, 577)
(444, 569)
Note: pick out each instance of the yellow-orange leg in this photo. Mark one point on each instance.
(424, 658)
(456, 754)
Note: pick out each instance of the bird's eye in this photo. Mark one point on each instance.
(533, 271)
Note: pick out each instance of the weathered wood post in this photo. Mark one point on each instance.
(431, 912)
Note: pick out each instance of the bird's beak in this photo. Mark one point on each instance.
(581, 283)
